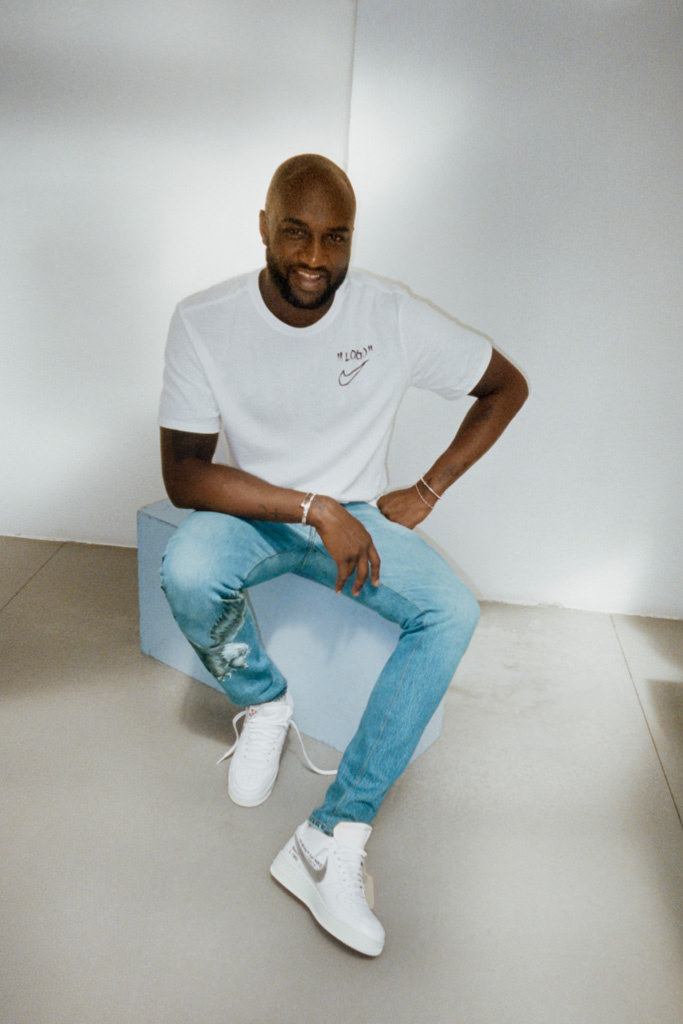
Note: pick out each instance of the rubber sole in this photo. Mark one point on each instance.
(301, 886)
(249, 801)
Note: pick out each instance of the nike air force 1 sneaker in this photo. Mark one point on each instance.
(256, 752)
(326, 874)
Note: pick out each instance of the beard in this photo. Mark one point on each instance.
(281, 282)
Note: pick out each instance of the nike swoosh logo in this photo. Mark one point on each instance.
(346, 378)
(317, 874)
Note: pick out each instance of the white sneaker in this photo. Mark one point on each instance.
(256, 752)
(326, 874)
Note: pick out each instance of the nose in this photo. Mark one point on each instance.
(313, 253)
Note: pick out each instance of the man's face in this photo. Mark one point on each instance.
(307, 234)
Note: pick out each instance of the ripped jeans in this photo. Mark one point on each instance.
(212, 558)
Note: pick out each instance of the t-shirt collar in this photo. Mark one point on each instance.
(273, 321)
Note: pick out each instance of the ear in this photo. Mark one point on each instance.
(263, 226)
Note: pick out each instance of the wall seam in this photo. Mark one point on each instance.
(352, 68)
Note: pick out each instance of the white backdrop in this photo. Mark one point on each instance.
(137, 145)
(518, 163)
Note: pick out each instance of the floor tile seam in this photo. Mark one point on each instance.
(43, 565)
(646, 720)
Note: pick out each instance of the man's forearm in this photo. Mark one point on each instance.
(481, 428)
(211, 487)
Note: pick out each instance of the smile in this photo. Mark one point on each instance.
(309, 278)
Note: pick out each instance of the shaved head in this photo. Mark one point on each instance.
(304, 173)
(306, 228)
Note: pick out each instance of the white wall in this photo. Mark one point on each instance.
(519, 164)
(138, 140)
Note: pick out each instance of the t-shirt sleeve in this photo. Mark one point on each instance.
(187, 399)
(443, 355)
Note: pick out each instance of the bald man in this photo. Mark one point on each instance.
(303, 365)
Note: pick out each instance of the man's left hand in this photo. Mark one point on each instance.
(405, 507)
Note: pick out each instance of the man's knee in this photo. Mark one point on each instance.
(459, 612)
(469, 611)
(186, 566)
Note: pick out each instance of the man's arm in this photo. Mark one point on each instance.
(192, 480)
(500, 394)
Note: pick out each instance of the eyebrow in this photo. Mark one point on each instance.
(302, 224)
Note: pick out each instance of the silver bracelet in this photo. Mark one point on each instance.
(306, 506)
(422, 499)
(423, 481)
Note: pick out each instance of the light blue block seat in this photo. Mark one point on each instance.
(330, 650)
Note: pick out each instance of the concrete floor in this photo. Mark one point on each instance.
(528, 867)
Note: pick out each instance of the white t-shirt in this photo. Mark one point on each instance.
(311, 408)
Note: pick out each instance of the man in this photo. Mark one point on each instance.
(304, 368)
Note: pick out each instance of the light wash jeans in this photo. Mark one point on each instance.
(212, 558)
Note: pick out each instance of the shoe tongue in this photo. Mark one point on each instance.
(272, 709)
(355, 833)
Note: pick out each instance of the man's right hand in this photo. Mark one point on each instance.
(193, 480)
(347, 541)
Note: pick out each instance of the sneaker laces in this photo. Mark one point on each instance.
(351, 861)
(261, 741)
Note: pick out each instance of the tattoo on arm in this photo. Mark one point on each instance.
(273, 515)
(472, 440)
